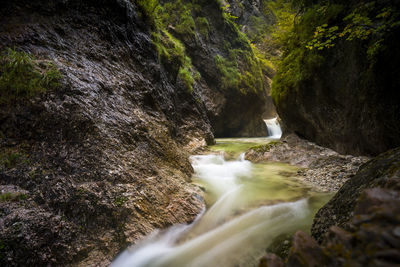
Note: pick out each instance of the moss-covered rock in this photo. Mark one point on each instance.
(203, 49)
(266, 147)
(22, 76)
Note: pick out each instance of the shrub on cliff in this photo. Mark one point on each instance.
(204, 26)
(307, 38)
(22, 76)
(178, 14)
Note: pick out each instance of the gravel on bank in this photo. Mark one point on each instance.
(322, 168)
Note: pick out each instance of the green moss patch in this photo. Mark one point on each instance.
(22, 76)
(204, 26)
(12, 197)
(266, 147)
(10, 158)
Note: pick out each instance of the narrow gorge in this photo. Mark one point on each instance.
(199, 133)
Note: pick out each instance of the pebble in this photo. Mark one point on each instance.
(396, 231)
(324, 169)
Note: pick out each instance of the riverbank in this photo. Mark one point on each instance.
(322, 168)
(362, 217)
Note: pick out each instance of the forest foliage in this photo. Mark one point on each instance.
(317, 28)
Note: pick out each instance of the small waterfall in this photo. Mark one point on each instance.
(220, 174)
(274, 129)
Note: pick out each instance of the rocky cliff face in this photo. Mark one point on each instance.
(97, 163)
(344, 96)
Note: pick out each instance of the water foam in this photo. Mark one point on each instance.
(228, 244)
(221, 175)
(274, 129)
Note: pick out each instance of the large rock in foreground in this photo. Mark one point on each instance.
(381, 172)
(359, 226)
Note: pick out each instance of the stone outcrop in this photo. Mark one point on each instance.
(380, 172)
(254, 19)
(343, 111)
(101, 161)
(98, 163)
(359, 226)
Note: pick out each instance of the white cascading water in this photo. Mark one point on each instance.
(228, 233)
(274, 129)
(221, 175)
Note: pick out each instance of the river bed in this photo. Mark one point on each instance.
(248, 207)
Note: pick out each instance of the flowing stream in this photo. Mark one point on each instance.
(249, 207)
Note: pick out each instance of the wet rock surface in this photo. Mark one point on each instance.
(322, 168)
(359, 226)
(382, 172)
(98, 163)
